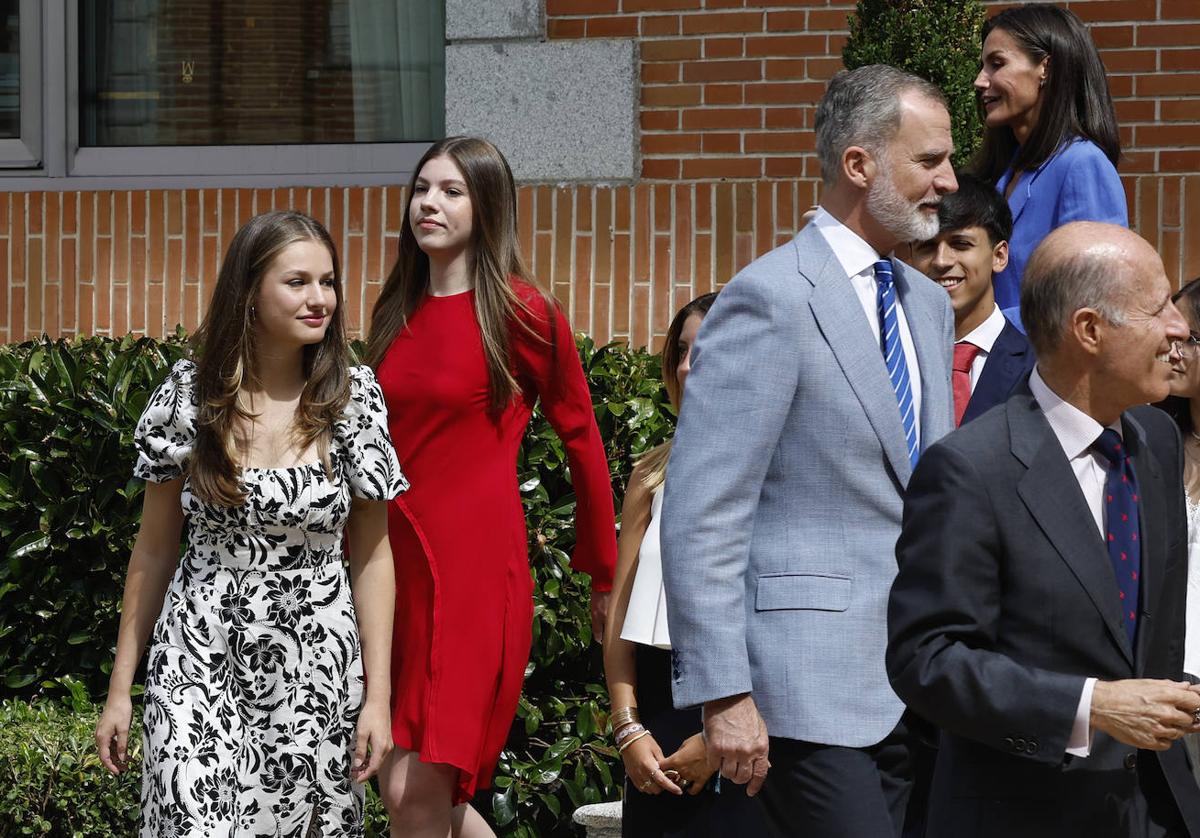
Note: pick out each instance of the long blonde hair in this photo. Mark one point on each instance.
(225, 348)
(495, 261)
(654, 462)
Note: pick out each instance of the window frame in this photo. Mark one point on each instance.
(65, 165)
(25, 150)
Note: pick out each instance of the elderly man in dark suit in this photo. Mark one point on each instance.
(1037, 616)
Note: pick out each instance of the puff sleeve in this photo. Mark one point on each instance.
(165, 433)
(550, 363)
(368, 458)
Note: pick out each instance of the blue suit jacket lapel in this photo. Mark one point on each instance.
(1010, 359)
(847, 332)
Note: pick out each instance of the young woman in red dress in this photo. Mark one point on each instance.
(464, 345)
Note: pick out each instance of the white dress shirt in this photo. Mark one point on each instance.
(1076, 432)
(984, 336)
(858, 259)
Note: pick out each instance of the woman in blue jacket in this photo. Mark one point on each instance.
(1051, 144)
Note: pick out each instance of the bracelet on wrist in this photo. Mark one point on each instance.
(631, 740)
(626, 731)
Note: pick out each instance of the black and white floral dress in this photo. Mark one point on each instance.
(254, 680)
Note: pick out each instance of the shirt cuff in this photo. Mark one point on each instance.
(1080, 743)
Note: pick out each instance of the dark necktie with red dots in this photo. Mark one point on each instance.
(1121, 526)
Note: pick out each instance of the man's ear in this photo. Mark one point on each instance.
(858, 166)
(999, 257)
(1085, 327)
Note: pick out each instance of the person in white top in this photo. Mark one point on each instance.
(991, 357)
(1184, 407)
(662, 748)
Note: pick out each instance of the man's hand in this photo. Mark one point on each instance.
(736, 740)
(1145, 713)
(598, 604)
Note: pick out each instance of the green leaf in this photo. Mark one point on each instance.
(28, 543)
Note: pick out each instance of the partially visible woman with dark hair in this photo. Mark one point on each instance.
(1050, 144)
(662, 748)
(465, 345)
(257, 720)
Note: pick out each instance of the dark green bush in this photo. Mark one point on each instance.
(937, 40)
(69, 513)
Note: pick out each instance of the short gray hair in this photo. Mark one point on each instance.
(862, 107)
(1056, 285)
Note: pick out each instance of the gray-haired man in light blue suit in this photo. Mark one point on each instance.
(820, 374)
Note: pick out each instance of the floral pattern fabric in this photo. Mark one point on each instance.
(254, 679)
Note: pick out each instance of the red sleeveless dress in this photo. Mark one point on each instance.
(464, 606)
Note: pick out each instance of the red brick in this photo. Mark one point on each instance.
(1114, 10)
(1178, 110)
(657, 25)
(1168, 34)
(1180, 59)
(104, 210)
(580, 7)
(87, 238)
(827, 19)
(721, 143)
(723, 94)
(713, 22)
(785, 45)
(784, 118)
(722, 71)
(724, 4)
(674, 95)
(722, 118)
(1125, 135)
(1131, 60)
(174, 213)
(1121, 86)
(640, 332)
(722, 167)
(670, 143)
(641, 230)
(4, 216)
(784, 93)
(1135, 110)
(789, 22)
(835, 43)
(612, 27)
(683, 233)
(34, 202)
(703, 206)
(786, 142)
(658, 5)
(659, 120)
(1175, 9)
(1187, 161)
(665, 72)
(658, 168)
(671, 50)
(724, 47)
(1171, 194)
(120, 243)
(1176, 134)
(563, 28)
(662, 208)
(1137, 162)
(785, 68)
(69, 312)
(1166, 84)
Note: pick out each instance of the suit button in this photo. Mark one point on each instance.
(1008, 742)
(1020, 744)
(1033, 746)
(1131, 761)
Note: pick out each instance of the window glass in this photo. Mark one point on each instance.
(215, 72)
(10, 70)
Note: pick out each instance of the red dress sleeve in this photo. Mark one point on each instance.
(555, 372)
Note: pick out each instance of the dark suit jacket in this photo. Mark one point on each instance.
(1007, 364)
(1005, 602)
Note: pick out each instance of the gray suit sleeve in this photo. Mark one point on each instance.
(738, 395)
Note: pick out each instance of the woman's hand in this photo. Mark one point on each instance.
(642, 760)
(112, 732)
(373, 740)
(690, 763)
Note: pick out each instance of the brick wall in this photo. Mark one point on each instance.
(727, 101)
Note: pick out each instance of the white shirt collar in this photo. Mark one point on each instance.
(1075, 430)
(854, 254)
(985, 334)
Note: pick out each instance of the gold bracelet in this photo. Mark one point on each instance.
(631, 740)
(623, 716)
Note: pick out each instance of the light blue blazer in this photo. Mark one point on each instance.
(1077, 183)
(783, 498)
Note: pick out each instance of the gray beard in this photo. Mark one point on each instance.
(898, 215)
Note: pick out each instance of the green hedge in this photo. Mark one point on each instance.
(69, 513)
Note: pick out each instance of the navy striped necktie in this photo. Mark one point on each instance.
(893, 355)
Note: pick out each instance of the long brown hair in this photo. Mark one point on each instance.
(495, 260)
(1076, 100)
(654, 461)
(225, 348)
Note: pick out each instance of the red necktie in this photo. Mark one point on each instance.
(960, 379)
